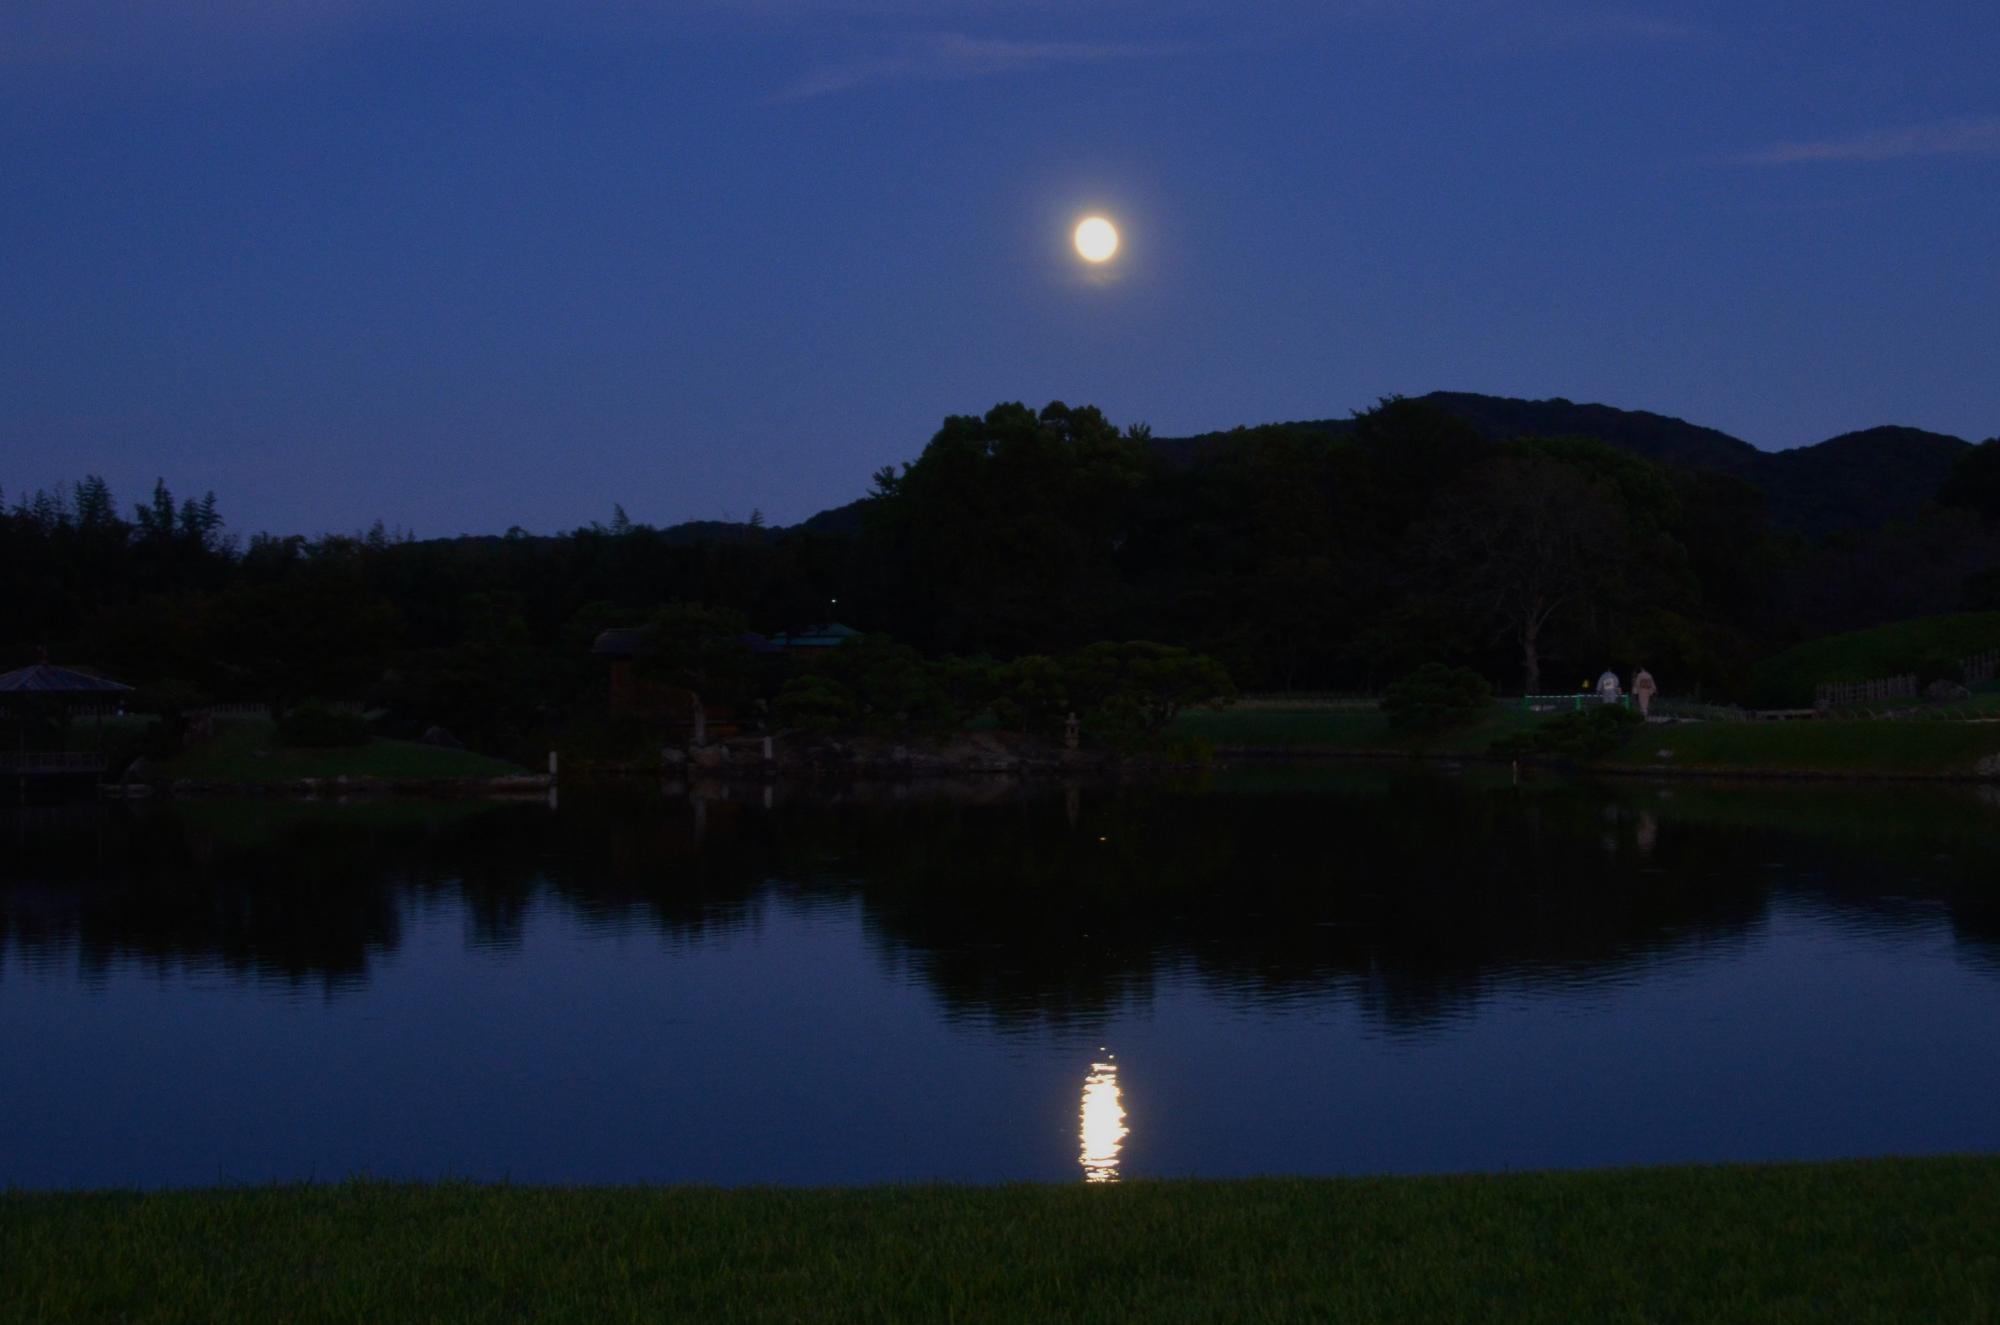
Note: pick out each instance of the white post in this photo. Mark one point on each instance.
(552, 763)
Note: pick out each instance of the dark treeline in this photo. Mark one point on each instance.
(1299, 558)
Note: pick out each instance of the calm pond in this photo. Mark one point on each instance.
(1301, 972)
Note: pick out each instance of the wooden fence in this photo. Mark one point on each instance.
(263, 711)
(1835, 695)
(239, 711)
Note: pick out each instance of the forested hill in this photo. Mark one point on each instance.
(1859, 480)
(1322, 556)
(1658, 437)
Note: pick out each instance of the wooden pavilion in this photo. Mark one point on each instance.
(43, 689)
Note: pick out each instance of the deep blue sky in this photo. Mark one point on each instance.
(460, 266)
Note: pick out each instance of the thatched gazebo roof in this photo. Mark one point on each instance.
(42, 687)
(46, 679)
(33, 689)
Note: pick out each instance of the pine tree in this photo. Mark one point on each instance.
(156, 520)
(95, 509)
(211, 522)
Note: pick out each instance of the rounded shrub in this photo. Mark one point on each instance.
(1591, 734)
(815, 703)
(1437, 698)
(317, 727)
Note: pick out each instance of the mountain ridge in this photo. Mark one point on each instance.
(1857, 480)
(1854, 481)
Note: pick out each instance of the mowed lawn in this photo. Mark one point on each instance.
(1890, 650)
(1927, 744)
(1890, 1240)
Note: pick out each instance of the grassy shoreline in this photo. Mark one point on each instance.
(246, 753)
(1872, 1240)
(1901, 749)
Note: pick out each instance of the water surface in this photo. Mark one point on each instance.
(1313, 972)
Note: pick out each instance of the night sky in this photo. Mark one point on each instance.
(463, 266)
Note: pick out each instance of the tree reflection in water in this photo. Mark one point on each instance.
(1414, 897)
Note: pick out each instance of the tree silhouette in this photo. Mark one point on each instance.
(1521, 540)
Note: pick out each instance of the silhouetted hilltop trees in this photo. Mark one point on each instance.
(1854, 482)
(1859, 480)
(1974, 482)
(1330, 555)
(1658, 437)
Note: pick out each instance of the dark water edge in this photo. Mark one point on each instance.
(1324, 970)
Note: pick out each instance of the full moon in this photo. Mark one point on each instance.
(1096, 239)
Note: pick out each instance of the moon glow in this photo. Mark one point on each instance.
(1096, 239)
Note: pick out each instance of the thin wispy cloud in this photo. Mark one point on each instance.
(125, 48)
(954, 56)
(1964, 137)
(87, 32)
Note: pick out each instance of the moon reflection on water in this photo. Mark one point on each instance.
(1103, 1129)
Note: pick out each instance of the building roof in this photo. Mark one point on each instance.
(828, 636)
(620, 642)
(630, 642)
(45, 679)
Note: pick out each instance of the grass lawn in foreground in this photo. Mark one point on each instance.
(1889, 1240)
(245, 751)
